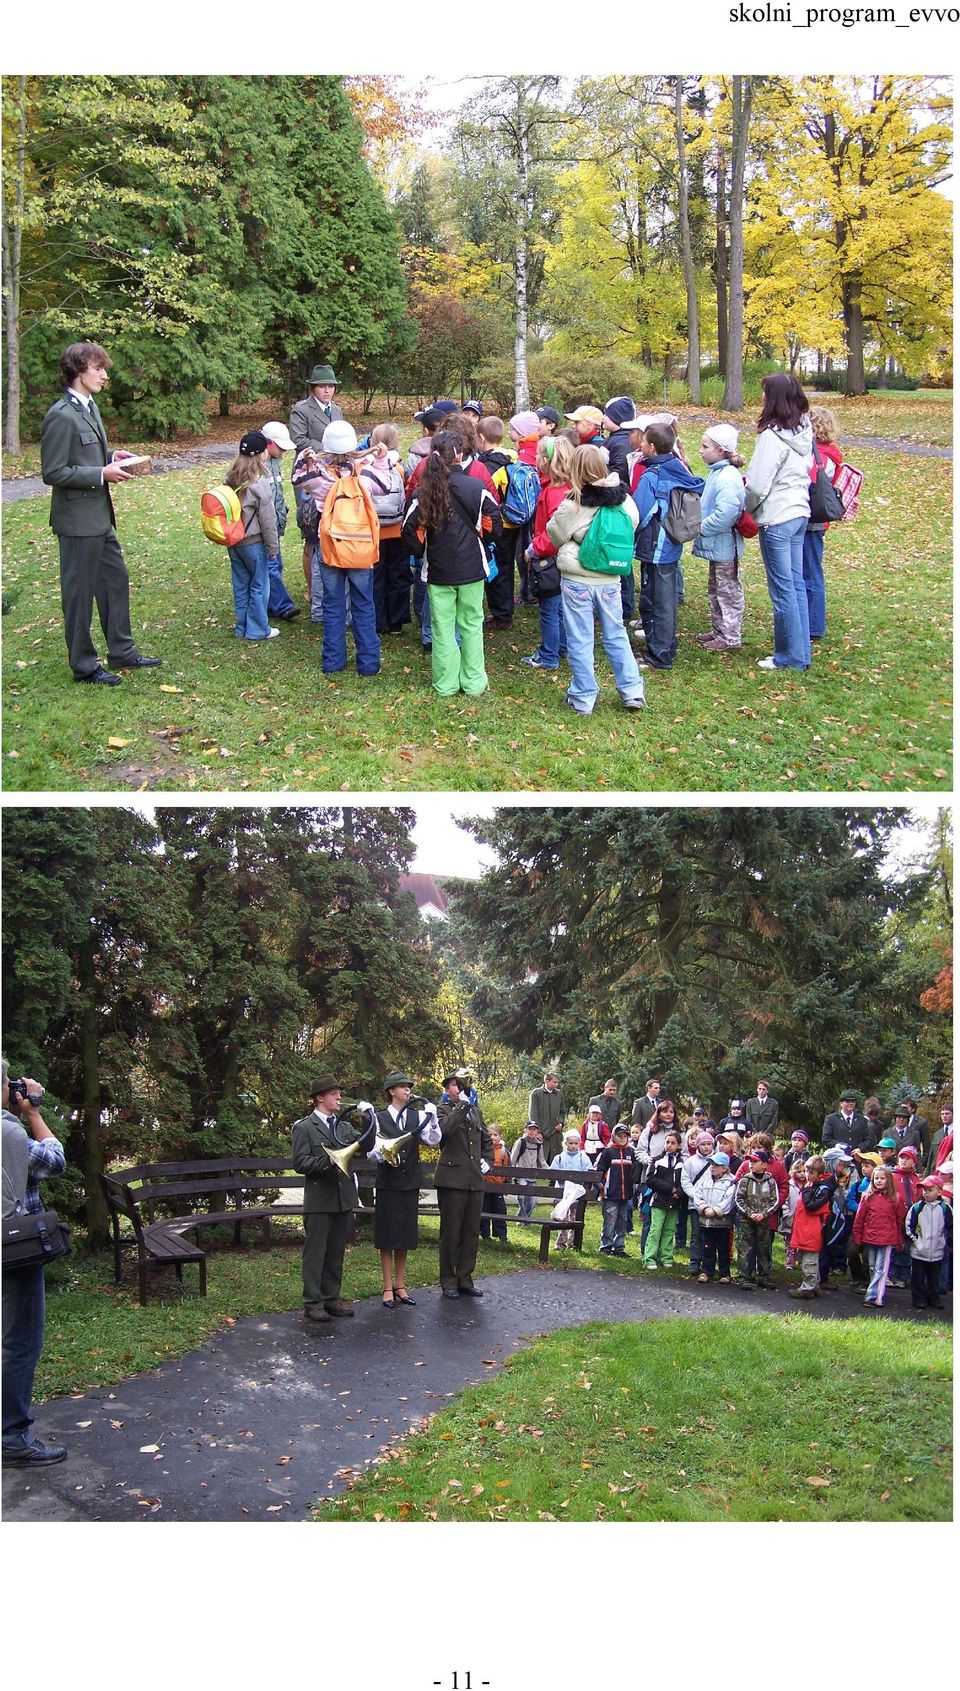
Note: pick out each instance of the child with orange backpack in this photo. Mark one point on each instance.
(347, 547)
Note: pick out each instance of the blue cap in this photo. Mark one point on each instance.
(721, 1158)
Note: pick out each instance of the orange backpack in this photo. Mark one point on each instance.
(349, 526)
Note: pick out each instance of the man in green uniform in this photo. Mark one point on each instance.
(77, 463)
(329, 1199)
(466, 1151)
(308, 419)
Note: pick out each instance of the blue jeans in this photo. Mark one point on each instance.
(815, 582)
(553, 638)
(781, 547)
(250, 574)
(614, 1224)
(525, 1206)
(660, 618)
(581, 603)
(279, 603)
(362, 616)
(23, 1307)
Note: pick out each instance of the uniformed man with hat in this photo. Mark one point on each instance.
(397, 1192)
(466, 1149)
(329, 1197)
(308, 419)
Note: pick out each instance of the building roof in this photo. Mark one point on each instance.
(428, 892)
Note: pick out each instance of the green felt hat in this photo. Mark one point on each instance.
(322, 374)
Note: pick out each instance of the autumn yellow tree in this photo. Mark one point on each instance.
(848, 239)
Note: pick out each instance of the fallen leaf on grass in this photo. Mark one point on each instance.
(116, 744)
(815, 1480)
(165, 688)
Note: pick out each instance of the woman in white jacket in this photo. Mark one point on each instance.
(778, 494)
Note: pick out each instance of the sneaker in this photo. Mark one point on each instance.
(537, 663)
(745, 1285)
(766, 663)
(652, 1266)
(634, 704)
(702, 1279)
(33, 1454)
(704, 639)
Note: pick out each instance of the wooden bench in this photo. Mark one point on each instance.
(164, 1201)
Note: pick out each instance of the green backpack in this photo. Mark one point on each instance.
(607, 546)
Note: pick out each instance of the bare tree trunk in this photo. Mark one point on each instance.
(91, 1145)
(741, 101)
(521, 384)
(856, 382)
(723, 303)
(12, 238)
(689, 274)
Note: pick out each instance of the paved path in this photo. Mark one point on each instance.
(27, 487)
(272, 1413)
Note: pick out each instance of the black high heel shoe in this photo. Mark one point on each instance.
(401, 1297)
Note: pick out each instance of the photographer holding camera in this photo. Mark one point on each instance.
(30, 1153)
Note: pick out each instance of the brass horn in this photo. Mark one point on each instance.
(389, 1149)
(342, 1157)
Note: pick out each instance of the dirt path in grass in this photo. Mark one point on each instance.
(27, 487)
(272, 1413)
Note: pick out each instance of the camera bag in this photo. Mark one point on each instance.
(29, 1239)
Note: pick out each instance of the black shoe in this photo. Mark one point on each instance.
(449, 1292)
(426, 646)
(102, 676)
(33, 1454)
(138, 661)
(401, 1297)
(288, 616)
(618, 1253)
(470, 1292)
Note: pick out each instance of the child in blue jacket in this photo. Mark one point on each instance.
(659, 555)
(718, 540)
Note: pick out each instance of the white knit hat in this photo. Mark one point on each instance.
(724, 435)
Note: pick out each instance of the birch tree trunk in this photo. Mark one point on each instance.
(689, 274)
(12, 238)
(741, 101)
(524, 209)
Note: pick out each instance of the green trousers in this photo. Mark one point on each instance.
(457, 668)
(459, 1234)
(323, 1252)
(663, 1229)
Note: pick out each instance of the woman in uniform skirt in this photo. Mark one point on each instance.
(397, 1192)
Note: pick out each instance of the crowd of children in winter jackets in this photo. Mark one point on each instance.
(557, 510)
(730, 1192)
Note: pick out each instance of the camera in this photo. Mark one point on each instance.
(18, 1089)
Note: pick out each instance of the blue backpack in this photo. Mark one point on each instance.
(523, 491)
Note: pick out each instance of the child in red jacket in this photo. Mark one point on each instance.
(554, 462)
(806, 1234)
(907, 1181)
(824, 425)
(879, 1225)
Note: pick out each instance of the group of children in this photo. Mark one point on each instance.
(482, 516)
(866, 1213)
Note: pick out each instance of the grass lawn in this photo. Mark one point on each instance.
(756, 1419)
(874, 713)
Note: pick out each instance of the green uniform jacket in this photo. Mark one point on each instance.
(464, 1140)
(309, 418)
(73, 451)
(547, 1109)
(325, 1190)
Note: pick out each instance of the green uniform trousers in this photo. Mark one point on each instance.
(323, 1250)
(459, 1235)
(457, 668)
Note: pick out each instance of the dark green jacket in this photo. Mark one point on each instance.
(325, 1190)
(309, 418)
(73, 451)
(464, 1140)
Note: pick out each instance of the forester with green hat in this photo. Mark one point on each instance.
(308, 419)
(329, 1198)
(397, 1190)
